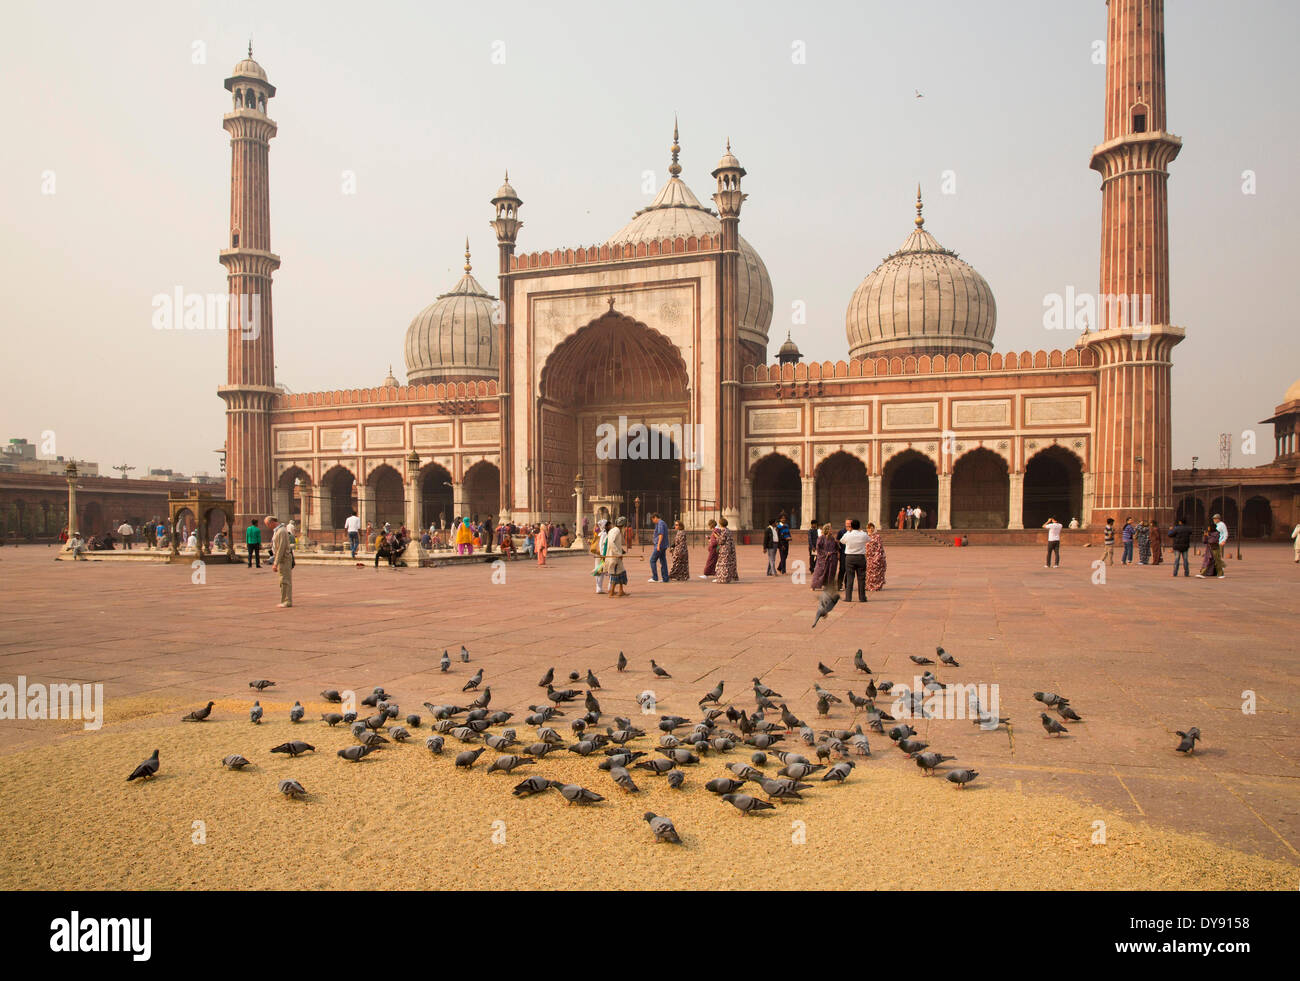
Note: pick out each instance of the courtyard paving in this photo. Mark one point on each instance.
(1139, 656)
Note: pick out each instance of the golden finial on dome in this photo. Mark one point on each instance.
(467, 265)
(920, 219)
(250, 46)
(675, 168)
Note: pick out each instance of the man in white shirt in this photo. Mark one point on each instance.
(1219, 571)
(126, 533)
(1053, 542)
(353, 527)
(855, 560)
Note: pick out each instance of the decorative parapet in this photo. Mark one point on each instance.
(614, 253)
(921, 365)
(432, 392)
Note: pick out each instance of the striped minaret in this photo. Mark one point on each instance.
(1132, 338)
(729, 200)
(250, 377)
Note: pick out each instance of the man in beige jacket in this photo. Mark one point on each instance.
(282, 558)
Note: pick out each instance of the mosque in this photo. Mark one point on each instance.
(665, 325)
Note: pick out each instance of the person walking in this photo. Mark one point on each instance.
(1210, 539)
(842, 566)
(352, 525)
(1053, 542)
(814, 533)
(1219, 570)
(1157, 545)
(769, 546)
(855, 561)
(711, 556)
(542, 542)
(1126, 537)
(680, 569)
(252, 539)
(614, 551)
(659, 554)
(782, 541)
(875, 559)
(727, 570)
(1180, 540)
(282, 558)
(1108, 542)
(901, 519)
(598, 550)
(826, 565)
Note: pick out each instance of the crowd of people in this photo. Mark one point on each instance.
(1150, 541)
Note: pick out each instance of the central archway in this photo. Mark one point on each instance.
(981, 490)
(776, 488)
(840, 489)
(437, 500)
(1053, 487)
(911, 480)
(614, 406)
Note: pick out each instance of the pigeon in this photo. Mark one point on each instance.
(871, 689)
(797, 771)
(507, 763)
(946, 658)
(445, 663)
(413, 721)
(574, 676)
(255, 713)
(292, 789)
(355, 754)
(293, 748)
(331, 719)
(713, 695)
(624, 779)
(1051, 725)
(661, 828)
(758, 759)
(331, 695)
(533, 785)
(547, 678)
(1188, 744)
(234, 762)
(839, 772)
(261, 685)
(744, 803)
(1067, 713)
(592, 680)
(464, 654)
(475, 681)
(1050, 699)
(903, 731)
(575, 794)
(745, 771)
(921, 660)
(962, 777)
(147, 769)
(723, 785)
(373, 740)
(830, 596)
(469, 757)
(198, 715)
(912, 746)
(657, 766)
(434, 743)
(824, 669)
(675, 779)
(349, 718)
(928, 761)
(860, 663)
(622, 662)
(297, 712)
(789, 718)
(660, 672)
(398, 734)
(375, 721)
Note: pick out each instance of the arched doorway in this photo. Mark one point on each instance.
(437, 500)
(981, 491)
(339, 484)
(1227, 507)
(615, 406)
(775, 487)
(390, 500)
(291, 487)
(1257, 518)
(1054, 488)
(840, 489)
(911, 480)
(483, 490)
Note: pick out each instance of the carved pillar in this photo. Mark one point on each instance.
(944, 522)
(365, 506)
(1016, 502)
(875, 486)
(808, 502)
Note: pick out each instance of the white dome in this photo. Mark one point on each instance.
(454, 338)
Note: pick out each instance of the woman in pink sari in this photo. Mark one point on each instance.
(875, 559)
(542, 538)
(711, 559)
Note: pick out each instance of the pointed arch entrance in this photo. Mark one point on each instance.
(911, 480)
(615, 406)
(840, 489)
(776, 488)
(1053, 487)
(981, 490)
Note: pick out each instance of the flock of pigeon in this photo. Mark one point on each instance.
(721, 729)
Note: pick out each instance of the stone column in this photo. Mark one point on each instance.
(944, 522)
(1016, 504)
(413, 503)
(745, 516)
(72, 505)
(365, 507)
(1087, 501)
(459, 500)
(323, 505)
(578, 492)
(875, 502)
(808, 501)
(282, 504)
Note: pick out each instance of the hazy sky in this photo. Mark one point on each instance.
(108, 101)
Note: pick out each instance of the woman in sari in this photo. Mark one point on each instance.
(679, 555)
(1157, 549)
(464, 538)
(711, 559)
(543, 543)
(1143, 537)
(828, 558)
(1208, 540)
(875, 559)
(726, 569)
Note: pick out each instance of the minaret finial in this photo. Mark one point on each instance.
(675, 169)
(467, 265)
(250, 46)
(920, 219)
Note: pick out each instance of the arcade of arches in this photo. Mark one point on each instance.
(616, 372)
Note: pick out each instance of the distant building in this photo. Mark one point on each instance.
(19, 456)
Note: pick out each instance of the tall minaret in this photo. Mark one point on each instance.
(1131, 461)
(507, 224)
(250, 376)
(729, 200)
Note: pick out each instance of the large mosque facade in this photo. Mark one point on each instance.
(524, 397)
